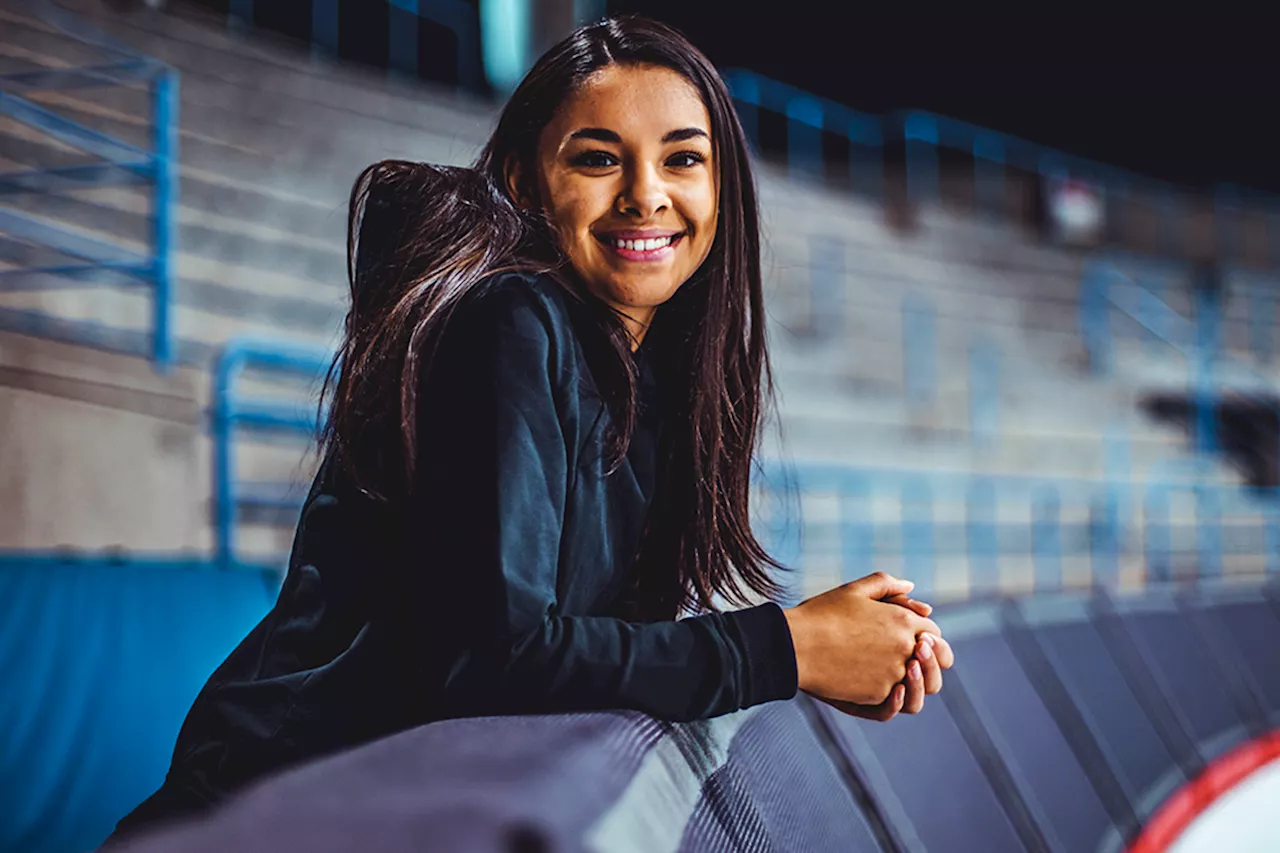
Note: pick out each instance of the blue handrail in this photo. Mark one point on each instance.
(231, 412)
(808, 116)
(119, 163)
(924, 133)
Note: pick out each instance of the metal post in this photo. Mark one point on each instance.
(1209, 529)
(804, 136)
(164, 90)
(920, 134)
(1157, 532)
(324, 28)
(989, 173)
(402, 40)
(1046, 539)
(229, 366)
(1205, 354)
(1095, 318)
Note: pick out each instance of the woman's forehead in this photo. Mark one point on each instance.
(637, 102)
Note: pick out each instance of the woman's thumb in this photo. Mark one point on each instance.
(881, 585)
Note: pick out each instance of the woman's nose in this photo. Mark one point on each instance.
(644, 195)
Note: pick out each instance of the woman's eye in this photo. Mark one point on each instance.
(595, 160)
(686, 159)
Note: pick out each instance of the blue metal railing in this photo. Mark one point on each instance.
(459, 18)
(118, 164)
(232, 412)
(925, 134)
(1198, 339)
(808, 117)
(1102, 523)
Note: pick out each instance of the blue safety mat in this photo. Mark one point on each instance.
(99, 664)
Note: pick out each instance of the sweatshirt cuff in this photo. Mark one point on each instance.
(769, 655)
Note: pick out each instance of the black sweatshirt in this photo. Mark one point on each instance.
(495, 597)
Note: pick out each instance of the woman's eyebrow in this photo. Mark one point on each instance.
(685, 133)
(601, 134)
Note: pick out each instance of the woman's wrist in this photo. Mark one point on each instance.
(796, 624)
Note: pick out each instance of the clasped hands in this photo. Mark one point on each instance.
(868, 649)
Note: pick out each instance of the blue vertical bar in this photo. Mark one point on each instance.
(1156, 538)
(324, 26)
(1046, 539)
(228, 368)
(919, 349)
(1105, 541)
(1095, 317)
(804, 136)
(164, 210)
(1206, 351)
(866, 157)
(402, 40)
(981, 536)
(989, 173)
(920, 133)
(746, 92)
(1209, 527)
(917, 535)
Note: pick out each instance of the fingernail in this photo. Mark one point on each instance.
(915, 670)
(928, 638)
(926, 649)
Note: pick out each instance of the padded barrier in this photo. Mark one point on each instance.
(1066, 723)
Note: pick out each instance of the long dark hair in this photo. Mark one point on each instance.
(420, 238)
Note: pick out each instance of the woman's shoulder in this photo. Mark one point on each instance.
(516, 295)
(517, 314)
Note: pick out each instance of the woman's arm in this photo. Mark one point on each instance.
(491, 492)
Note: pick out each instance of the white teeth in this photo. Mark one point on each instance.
(645, 245)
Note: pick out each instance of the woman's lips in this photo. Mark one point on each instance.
(643, 250)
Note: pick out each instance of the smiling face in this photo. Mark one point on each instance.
(626, 175)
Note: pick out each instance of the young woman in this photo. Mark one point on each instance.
(539, 448)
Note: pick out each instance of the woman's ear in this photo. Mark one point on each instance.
(518, 187)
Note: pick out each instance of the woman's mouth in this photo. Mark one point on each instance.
(641, 248)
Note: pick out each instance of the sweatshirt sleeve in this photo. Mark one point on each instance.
(487, 515)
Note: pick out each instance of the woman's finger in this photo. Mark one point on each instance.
(882, 713)
(930, 666)
(913, 702)
(920, 608)
(942, 651)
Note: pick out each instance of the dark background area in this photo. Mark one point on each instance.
(1189, 99)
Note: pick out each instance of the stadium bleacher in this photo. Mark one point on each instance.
(959, 401)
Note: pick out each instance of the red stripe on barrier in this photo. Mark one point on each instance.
(1192, 799)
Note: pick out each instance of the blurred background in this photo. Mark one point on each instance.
(1022, 288)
